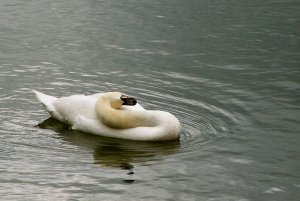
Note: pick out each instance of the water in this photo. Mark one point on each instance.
(229, 70)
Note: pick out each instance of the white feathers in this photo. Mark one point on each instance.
(87, 113)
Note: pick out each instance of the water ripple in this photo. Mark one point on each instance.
(202, 123)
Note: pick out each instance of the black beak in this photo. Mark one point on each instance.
(128, 100)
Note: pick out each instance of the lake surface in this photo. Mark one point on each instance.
(229, 70)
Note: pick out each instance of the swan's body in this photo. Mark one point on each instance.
(105, 114)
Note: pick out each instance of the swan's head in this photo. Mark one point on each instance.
(118, 99)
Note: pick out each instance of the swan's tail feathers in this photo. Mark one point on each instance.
(46, 100)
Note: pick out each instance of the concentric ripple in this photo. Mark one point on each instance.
(202, 122)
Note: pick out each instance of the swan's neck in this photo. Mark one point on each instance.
(121, 119)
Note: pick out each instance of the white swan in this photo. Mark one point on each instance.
(112, 114)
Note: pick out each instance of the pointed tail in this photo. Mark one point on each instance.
(46, 100)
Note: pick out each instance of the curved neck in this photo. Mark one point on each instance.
(118, 118)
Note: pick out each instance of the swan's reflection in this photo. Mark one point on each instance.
(112, 152)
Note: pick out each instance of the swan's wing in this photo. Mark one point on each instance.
(70, 107)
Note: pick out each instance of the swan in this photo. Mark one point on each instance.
(112, 114)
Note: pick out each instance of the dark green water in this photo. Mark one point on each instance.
(229, 70)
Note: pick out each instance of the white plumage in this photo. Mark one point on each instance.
(105, 114)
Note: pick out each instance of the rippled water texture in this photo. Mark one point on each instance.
(229, 70)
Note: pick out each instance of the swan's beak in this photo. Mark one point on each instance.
(128, 100)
